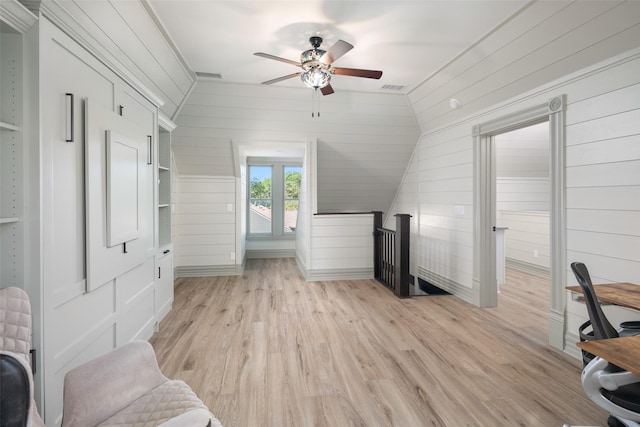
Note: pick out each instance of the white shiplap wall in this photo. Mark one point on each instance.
(602, 181)
(205, 230)
(364, 141)
(546, 41)
(528, 235)
(523, 194)
(341, 247)
(445, 207)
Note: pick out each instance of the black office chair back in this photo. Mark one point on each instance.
(14, 392)
(601, 327)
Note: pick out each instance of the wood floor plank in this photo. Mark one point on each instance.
(268, 349)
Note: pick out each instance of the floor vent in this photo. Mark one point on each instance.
(430, 288)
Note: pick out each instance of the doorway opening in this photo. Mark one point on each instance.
(523, 197)
(485, 207)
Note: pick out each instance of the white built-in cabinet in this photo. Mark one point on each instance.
(96, 279)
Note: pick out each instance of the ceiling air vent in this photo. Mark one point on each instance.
(202, 75)
(396, 88)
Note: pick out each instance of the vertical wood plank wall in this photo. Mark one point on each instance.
(364, 140)
(205, 230)
(602, 180)
(341, 246)
(528, 232)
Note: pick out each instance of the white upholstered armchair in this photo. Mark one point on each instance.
(126, 388)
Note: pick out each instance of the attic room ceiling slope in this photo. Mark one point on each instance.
(409, 40)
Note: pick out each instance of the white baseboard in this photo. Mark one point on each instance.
(209, 270)
(270, 253)
(463, 292)
(339, 274)
(527, 267)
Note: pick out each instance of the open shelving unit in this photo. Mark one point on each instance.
(164, 188)
(11, 159)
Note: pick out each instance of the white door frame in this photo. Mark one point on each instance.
(484, 214)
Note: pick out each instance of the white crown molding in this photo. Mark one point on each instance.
(17, 16)
(55, 11)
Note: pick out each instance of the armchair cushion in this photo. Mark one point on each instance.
(96, 390)
(165, 402)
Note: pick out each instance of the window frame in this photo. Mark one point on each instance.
(278, 166)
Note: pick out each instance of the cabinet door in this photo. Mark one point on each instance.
(124, 212)
(164, 285)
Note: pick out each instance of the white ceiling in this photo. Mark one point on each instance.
(407, 40)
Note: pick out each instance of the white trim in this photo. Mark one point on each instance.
(165, 123)
(463, 292)
(208, 270)
(17, 16)
(529, 268)
(339, 274)
(62, 19)
(270, 253)
(484, 266)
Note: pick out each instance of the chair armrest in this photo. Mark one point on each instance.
(632, 327)
(103, 386)
(33, 417)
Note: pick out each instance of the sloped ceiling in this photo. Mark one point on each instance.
(482, 52)
(407, 40)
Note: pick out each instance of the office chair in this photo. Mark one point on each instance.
(608, 386)
(602, 328)
(17, 407)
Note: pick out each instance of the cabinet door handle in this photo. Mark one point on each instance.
(121, 108)
(159, 272)
(149, 149)
(69, 122)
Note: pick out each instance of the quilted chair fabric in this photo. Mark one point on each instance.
(15, 338)
(125, 387)
(15, 322)
(163, 403)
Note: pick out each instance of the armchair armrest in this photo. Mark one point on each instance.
(103, 386)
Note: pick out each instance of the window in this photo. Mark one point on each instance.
(273, 196)
(260, 202)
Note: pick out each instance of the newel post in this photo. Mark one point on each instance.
(401, 262)
(377, 223)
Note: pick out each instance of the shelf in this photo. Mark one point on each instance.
(7, 126)
(9, 220)
(163, 168)
(164, 205)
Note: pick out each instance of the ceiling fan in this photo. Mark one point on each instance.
(316, 66)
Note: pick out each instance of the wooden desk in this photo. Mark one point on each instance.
(623, 352)
(622, 294)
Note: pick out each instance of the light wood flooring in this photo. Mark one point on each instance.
(268, 349)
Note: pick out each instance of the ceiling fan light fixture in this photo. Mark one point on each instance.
(312, 58)
(316, 78)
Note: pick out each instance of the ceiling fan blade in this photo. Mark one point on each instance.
(336, 51)
(355, 72)
(279, 79)
(327, 90)
(277, 58)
